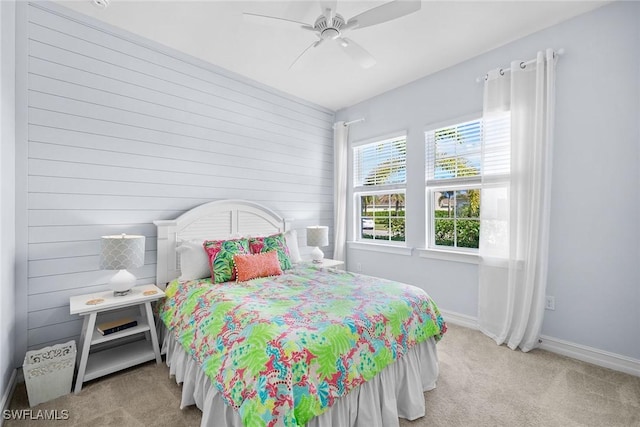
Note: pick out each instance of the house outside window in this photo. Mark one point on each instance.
(459, 158)
(380, 177)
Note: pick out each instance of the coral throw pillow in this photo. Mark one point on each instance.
(221, 254)
(257, 265)
(276, 242)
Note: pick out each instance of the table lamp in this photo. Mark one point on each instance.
(121, 252)
(317, 235)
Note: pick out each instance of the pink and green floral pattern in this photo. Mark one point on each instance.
(281, 350)
(275, 242)
(221, 254)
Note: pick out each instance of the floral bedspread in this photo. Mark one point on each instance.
(281, 350)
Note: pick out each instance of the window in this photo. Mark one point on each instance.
(380, 176)
(456, 221)
(459, 158)
(382, 216)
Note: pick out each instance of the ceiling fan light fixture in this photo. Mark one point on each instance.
(330, 33)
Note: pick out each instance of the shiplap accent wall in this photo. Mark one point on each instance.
(122, 131)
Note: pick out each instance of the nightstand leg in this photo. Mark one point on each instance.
(152, 331)
(143, 313)
(83, 334)
(87, 328)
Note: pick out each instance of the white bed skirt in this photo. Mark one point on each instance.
(395, 392)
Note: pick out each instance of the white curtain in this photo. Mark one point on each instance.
(340, 147)
(515, 200)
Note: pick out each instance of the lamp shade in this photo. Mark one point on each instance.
(318, 235)
(122, 251)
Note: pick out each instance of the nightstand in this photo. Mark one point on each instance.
(330, 263)
(97, 306)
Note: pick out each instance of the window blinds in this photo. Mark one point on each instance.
(381, 163)
(467, 151)
(454, 152)
(496, 156)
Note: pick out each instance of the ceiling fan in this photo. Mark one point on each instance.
(332, 26)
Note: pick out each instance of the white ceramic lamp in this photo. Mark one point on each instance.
(317, 236)
(121, 252)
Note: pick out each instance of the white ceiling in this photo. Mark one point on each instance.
(441, 34)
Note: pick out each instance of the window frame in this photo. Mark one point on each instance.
(378, 189)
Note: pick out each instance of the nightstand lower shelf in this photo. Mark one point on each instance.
(124, 356)
(142, 326)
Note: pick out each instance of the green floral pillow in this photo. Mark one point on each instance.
(276, 242)
(221, 254)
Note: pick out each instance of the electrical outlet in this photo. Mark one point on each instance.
(550, 303)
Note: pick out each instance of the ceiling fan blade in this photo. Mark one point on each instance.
(275, 20)
(314, 44)
(357, 52)
(386, 12)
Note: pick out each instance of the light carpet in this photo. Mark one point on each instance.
(480, 384)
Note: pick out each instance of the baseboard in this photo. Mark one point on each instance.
(8, 393)
(584, 353)
(592, 355)
(460, 319)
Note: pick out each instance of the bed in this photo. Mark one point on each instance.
(307, 346)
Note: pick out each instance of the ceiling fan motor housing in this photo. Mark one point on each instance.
(329, 30)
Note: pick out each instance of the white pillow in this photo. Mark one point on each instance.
(194, 261)
(291, 237)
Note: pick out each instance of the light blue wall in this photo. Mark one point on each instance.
(594, 253)
(7, 196)
(122, 131)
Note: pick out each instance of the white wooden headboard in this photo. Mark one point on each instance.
(220, 219)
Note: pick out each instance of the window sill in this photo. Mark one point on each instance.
(380, 247)
(444, 255)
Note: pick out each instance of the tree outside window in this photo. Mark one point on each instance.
(457, 218)
(383, 217)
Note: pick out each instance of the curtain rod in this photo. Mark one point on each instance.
(344, 124)
(354, 121)
(523, 64)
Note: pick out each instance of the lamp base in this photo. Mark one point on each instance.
(122, 282)
(317, 255)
